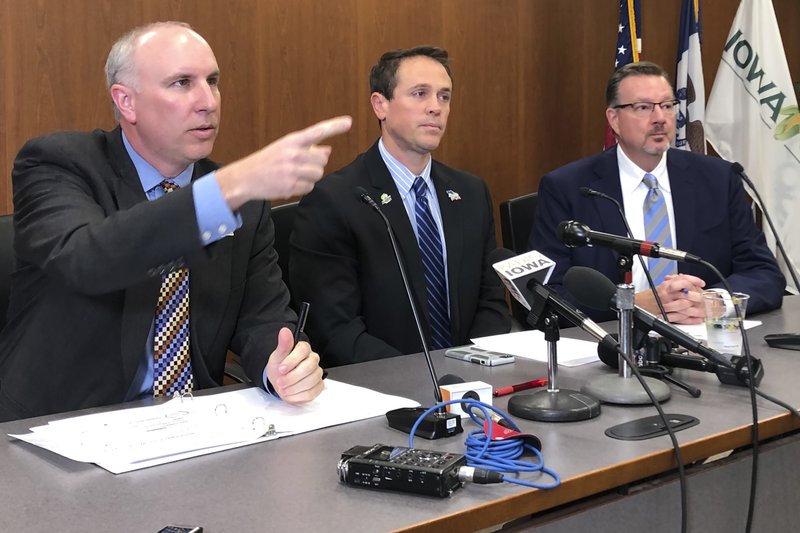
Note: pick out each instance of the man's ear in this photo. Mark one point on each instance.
(613, 120)
(378, 102)
(125, 101)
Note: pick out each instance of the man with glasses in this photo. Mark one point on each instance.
(679, 199)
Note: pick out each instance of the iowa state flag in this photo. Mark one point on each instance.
(752, 117)
(629, 45)
(689, 86)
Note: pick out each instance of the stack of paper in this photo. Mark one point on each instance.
(130, 439)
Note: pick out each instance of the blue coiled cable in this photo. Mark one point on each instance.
(500, 456)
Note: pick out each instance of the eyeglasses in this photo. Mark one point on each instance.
(644, 109)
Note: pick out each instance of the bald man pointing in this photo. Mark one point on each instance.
(140, 262)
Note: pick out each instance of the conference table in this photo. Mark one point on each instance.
(291, 484)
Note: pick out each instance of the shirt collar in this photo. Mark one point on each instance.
(403, 178)
(149, 176)
(630, 175)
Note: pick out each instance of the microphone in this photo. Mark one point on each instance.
(737, 168)
(523, 275)
(452, 379)
(594, 290)
(586, 191)
(689, 362)
(575, 234)
(531, 288)
(439, 423)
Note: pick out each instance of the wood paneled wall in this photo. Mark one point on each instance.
(529, 75)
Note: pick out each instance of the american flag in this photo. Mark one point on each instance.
(629, 44)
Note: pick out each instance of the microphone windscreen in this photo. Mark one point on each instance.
(573, 233)
(590, 287)
(736, 167)
(562, 226)
(450, 379)
(585, 191)
(608, 355)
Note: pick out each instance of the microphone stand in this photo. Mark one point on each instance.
(652, 365)
(552, 404)
(623, 388)
(440, 423)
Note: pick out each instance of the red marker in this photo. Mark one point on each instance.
(503, 391)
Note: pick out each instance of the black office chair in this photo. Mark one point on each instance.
(516, 221)
(283, 218)
(6, 263)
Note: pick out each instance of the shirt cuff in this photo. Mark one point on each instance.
(214, 218)
(268, 386)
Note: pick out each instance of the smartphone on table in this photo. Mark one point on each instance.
(477, 355)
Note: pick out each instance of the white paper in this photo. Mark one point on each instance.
(130, 439)
(530, 344)
(698, 331)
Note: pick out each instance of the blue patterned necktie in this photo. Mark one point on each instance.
(430, 247)
(656, 228)
(172, 365)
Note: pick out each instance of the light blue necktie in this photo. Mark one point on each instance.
(656, 227)
(430, 246)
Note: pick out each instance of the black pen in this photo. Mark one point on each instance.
(301, 324)
(301, 321)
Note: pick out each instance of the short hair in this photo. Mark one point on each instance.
(119, 64)
(641, 68)
(383, 75)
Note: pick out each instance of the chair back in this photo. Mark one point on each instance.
(516, 221)
(6, 263)
(283, 219)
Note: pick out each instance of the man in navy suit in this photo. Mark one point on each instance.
(342, 260)
(704, 199)
(95, 232)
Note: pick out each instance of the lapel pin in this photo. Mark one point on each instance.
(453, 195)
(385, 198)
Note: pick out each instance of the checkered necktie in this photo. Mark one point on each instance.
(656, 227)
(430, 247)
(172, 366)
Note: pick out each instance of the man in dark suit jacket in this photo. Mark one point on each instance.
(342, 260)
(91, 249)
(710, 215)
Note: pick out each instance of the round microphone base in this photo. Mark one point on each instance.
(560, 405)
(626, 391)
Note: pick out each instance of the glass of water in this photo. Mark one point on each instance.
(723, 323)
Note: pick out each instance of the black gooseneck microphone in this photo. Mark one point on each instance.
(587, 191)
(439, 423)
(739, 169)
(575, 234)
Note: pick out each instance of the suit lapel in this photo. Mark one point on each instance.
(684, 200)
(454, 223)
(606, 180)
(210, 283)
(140, 300)
(381, 182)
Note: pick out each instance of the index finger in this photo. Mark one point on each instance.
(322, 130)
